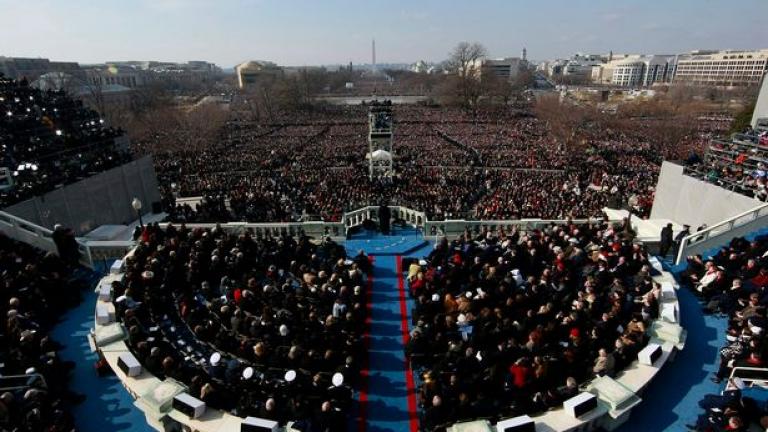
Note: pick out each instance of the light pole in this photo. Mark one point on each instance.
(136, 204)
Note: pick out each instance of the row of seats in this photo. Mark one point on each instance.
(739, 163)
(49, 139)
(512, 323)
(258, 327)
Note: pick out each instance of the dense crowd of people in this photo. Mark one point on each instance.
(491, 164)
(49, 139)
(734, 282)
(511, 323)
(36, 288)
(737, 163)
(281, 316)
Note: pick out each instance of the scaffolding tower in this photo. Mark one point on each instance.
(380, 131)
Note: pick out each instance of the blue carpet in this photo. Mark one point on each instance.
(671, 400)
(108, 406)
(387, 408)
(401, 241)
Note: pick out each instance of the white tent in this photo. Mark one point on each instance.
(380, 155)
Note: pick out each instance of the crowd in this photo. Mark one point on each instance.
(495, 163)
(734, 282)
(36, 289)
(49, 139)
(738, 163)
(511, 323)
(282, 318)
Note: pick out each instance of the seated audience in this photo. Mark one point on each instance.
(508, 322)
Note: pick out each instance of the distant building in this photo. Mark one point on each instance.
(722, 68)
(32, 68)
(579, 66)
(115, 74)
(760, 115)
(138, 73)
(56, 81)
(505, 68)
(420, 67)
(295, 70)
(251, 72)
(635, 70)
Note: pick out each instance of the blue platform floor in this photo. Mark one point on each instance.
(108, 406)
(386, 408)
(401, 241)
(670, 402)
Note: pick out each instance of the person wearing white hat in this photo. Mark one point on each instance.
(248, 373)
(290, 376)
(215, 359)
(216, 368)
(337, 379)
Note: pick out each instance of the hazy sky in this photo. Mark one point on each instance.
(306, 32)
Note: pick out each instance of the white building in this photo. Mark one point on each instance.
(722, 68)
(635, 70)
(115, 74)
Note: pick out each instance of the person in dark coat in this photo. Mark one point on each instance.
(680, 236)
(667, 240)
(384, 216)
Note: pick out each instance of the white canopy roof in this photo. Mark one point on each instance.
(379, 155)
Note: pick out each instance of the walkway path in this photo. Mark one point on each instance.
(388, 400)
(108, 406)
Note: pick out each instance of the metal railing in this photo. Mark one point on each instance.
(751, 376)
(455, 227)
(315, 229)
(91, 252)
(739, 225)
(356, 218)
(95, 252)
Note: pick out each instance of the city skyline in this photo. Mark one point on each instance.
(300, 32)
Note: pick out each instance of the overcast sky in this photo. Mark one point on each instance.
(308, 32)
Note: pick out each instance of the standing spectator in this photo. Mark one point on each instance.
(667, 240)
(66, 245)
(680, 236)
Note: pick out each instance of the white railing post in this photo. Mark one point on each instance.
(716, 230)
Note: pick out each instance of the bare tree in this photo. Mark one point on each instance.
(564, 120)
(465, 62)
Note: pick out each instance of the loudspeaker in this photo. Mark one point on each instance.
(104, 313)
(518, 424)
(188, 405)
(669, 312)
(105, 291)
(129, 364)
(580, 404)
(649, 354)
(117, 267)
(255, 424)
(157, 207)
(668, 293)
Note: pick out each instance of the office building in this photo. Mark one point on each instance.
(33, 68)
(722, 68)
